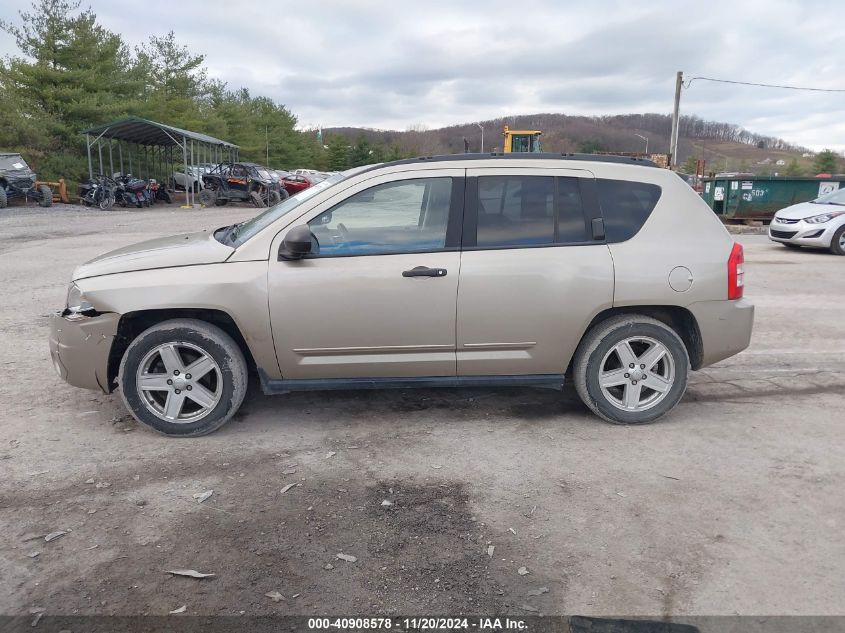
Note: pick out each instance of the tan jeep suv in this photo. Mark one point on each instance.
(440, 271)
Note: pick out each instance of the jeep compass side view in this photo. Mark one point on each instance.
(438, 271)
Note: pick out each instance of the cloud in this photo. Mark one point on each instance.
(401, 63)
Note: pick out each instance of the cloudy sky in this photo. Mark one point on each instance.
(395, 64)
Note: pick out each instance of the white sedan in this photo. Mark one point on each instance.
(819, 223)
(195, 178)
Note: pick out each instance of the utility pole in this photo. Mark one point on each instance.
(482, 137)
(673, 144)
(645, 138)
(267, 145)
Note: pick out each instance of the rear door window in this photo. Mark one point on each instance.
(625, 206)
(524, 211)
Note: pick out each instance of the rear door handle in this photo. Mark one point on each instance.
(424, 271)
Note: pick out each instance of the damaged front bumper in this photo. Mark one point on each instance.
(80, 347)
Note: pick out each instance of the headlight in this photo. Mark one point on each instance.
(76, 302)
(824, 217)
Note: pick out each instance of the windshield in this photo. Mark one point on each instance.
(834, 197)
(251, 227)
(12, 161)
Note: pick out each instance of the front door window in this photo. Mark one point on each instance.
(409, 216)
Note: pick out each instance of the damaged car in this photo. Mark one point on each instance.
(471, 270)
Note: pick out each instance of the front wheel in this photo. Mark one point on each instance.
(256, 199)
(183, 378)
(837, 244)
(45, 196)
(106, 201)
(631, 369)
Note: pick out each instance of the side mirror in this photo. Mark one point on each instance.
(297, 243)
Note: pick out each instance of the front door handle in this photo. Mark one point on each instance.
(424, 271)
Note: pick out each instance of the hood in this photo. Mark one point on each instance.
(186, 249)
(17, 175)
(806, 210)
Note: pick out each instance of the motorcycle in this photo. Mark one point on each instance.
(158, 192)
(99, 193)
(131, 190)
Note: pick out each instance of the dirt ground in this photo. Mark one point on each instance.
(733, 504)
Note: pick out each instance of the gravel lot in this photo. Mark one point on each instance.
(732, 504)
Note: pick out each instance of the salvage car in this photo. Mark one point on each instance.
(17, 180)
(442, 271)
(194, 178)
(819, 223)
(294, 183)
(240, 182)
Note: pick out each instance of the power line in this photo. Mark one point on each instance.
(750, 83)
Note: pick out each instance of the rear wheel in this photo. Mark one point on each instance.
(275, 198)
(4, 200)
(183, 378)
(837, 244)
(46, 196)
(208, 197)
(631, 369)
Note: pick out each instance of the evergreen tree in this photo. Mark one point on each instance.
(825, 162)
(793, 169)
(339, 153)
(71, 76)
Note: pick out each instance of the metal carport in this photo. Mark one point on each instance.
(154, 146)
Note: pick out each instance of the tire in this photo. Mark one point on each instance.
(283, 194)
(597, 353)
(4, 200)
(256, 199)
(208, 197)
(222, 386)
(275, 198)
(837, 243)
(46, 196)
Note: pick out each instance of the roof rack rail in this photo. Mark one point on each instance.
(625, 160)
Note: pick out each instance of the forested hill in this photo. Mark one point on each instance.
(715, 141)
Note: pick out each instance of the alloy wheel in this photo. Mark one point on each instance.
(637, 373)
(179, 382)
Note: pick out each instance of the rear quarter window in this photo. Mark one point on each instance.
(625, 206)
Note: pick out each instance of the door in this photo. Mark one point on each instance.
(377, 298)
(532, 274)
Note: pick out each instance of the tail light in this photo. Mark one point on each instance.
(736, 272)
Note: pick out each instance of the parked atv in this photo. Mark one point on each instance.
(239, 182)
(17, 180)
